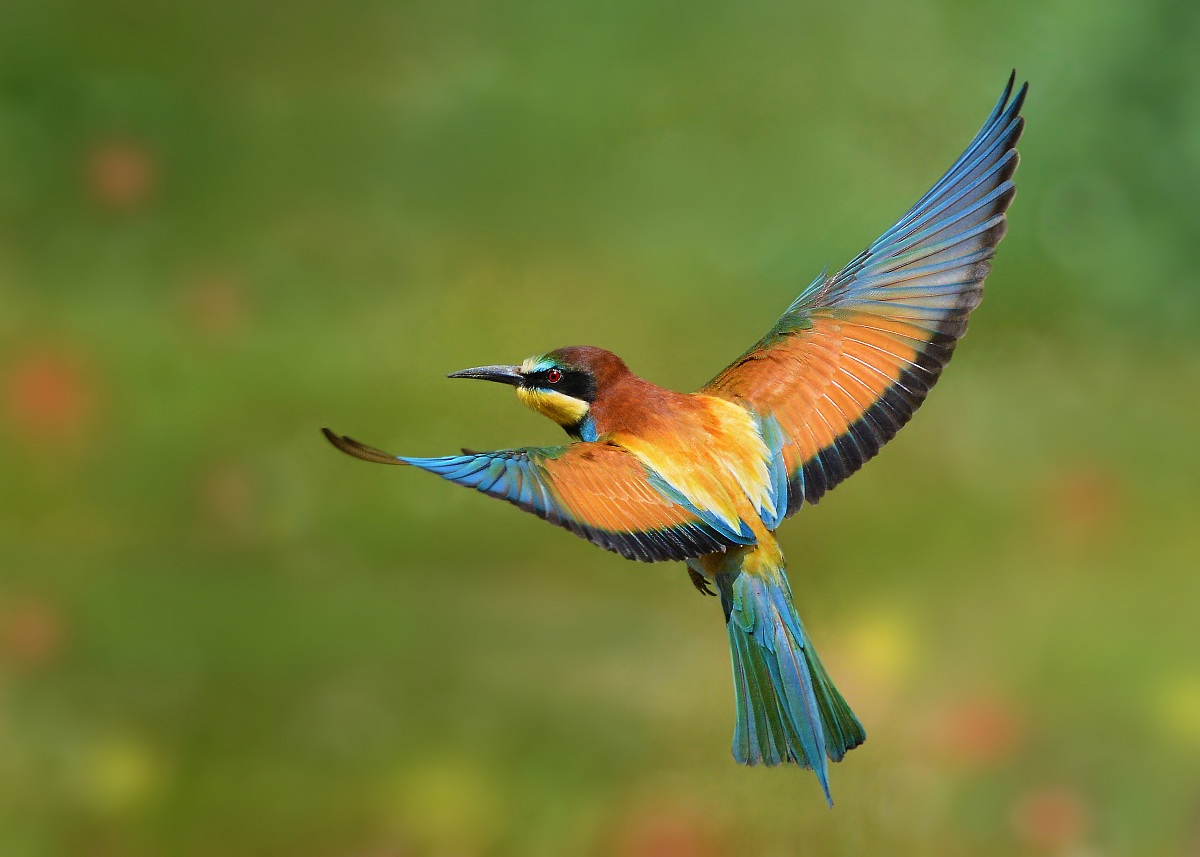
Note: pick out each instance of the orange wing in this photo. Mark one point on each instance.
(855, 355)
(596, 490)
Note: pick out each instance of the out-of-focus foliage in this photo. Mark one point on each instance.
(223, 225)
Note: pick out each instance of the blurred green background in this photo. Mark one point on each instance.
(224, 225)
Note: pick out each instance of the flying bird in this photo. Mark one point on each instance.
(706, 478)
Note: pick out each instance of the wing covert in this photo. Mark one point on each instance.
(597, 490)
(855, 354)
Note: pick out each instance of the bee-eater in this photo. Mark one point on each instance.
(707, 477)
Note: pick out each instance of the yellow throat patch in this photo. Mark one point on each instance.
(564, 410)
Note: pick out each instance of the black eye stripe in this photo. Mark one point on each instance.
(571, 382)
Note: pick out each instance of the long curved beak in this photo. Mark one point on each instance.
(501, 374)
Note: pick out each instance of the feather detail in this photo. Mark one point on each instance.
(598, 491)
(788, 710)
(856, 353)
(716, 458)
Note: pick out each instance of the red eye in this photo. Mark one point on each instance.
(554, 376)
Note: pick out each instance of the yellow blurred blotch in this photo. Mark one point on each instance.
(1177, 707)
(882, 646)
(446, 805)
(120, 774)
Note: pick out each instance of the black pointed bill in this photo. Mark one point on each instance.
(501, 374)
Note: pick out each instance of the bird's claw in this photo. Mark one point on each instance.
(699, 581)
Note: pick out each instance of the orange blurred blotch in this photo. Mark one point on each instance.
(229, 497)
(977, 731)
(1085, 503)
(32, 633)
(667, 831)
(48, 397)
(121, 175)
(215, 308)
(1054, 819)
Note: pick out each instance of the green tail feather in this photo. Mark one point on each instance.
(788, 709)
(843, 732)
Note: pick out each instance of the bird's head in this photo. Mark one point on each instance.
(562, 385)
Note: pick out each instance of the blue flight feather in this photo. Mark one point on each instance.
(775, 439)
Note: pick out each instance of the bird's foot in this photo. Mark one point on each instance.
(700, 582)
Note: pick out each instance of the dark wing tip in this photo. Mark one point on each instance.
(1019, 101)
(1008, 88)
(352, 447)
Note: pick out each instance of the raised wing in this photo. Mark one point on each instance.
(596, 490)
(855, 355)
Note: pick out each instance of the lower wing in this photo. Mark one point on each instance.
(597, 490)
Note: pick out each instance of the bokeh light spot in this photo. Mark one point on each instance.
(1177, 705)
(48, 396)
(1053, 819)
(32, 632)
(229, 496)
(882, 646)
(215, 307)
(121, 175)
(977, 731)
(1084, 504)
(120, 774)
(666, 830)
(447, 806)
